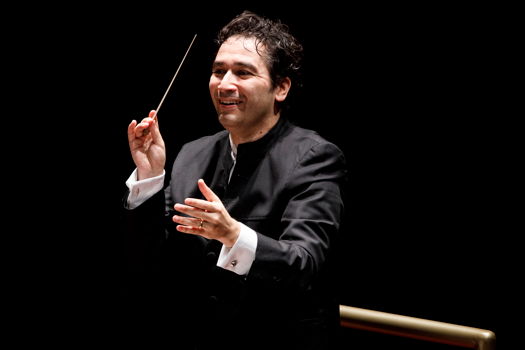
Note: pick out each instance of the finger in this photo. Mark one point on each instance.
(145, 124)
(140, 129)
(193, 211)
(190, 229)
(187, 221)
(207, 192)
(131, 130)
(153, 116)
(201, 207)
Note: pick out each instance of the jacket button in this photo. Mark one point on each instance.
(211, 257)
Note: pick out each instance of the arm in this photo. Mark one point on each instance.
(142, 218)
(309, 224)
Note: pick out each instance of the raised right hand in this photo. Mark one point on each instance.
(147, 149)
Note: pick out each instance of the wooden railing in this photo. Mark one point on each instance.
(417, 328)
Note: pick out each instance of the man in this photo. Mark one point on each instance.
(239, 246)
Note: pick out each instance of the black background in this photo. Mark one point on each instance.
(411, 94)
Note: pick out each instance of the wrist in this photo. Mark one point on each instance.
(231, 239)
(147, 174)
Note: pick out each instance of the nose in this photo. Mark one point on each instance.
(227, 82)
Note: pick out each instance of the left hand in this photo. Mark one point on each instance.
(216, 221)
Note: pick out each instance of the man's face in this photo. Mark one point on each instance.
(240, 85)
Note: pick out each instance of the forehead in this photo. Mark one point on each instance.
(240, 49)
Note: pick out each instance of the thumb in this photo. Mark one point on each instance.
(207, 192)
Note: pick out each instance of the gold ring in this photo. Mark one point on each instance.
(201, 223)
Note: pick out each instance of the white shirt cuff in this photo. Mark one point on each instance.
(240, 256)
(141, 190)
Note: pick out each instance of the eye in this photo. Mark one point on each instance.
(218, 72)
(243, 73)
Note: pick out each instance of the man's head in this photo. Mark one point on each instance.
(281, 51)
(252, 73)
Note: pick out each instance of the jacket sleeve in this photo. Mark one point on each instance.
(310, 221)
(143, 234)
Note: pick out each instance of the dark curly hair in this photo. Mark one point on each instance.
(283, 52)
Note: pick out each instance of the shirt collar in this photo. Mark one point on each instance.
(234, 148)
(260, 146)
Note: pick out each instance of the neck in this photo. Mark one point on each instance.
(243, 135)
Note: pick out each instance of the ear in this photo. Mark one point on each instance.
(282, 89)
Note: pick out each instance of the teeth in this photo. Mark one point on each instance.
(229, 102)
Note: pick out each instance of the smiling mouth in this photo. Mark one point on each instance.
(229, 102)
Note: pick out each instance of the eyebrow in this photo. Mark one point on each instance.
(236, 64)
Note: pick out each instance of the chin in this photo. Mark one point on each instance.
(228, 118)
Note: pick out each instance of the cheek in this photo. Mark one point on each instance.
(213, 90)
(263, 97)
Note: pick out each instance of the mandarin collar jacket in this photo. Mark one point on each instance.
(288, 187)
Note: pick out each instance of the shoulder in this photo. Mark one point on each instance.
(203, 148)
(305, 141)
(307, 158)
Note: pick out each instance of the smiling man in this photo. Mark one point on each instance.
(243, 91)
(239, 246)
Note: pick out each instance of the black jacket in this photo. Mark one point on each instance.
(287, 186)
